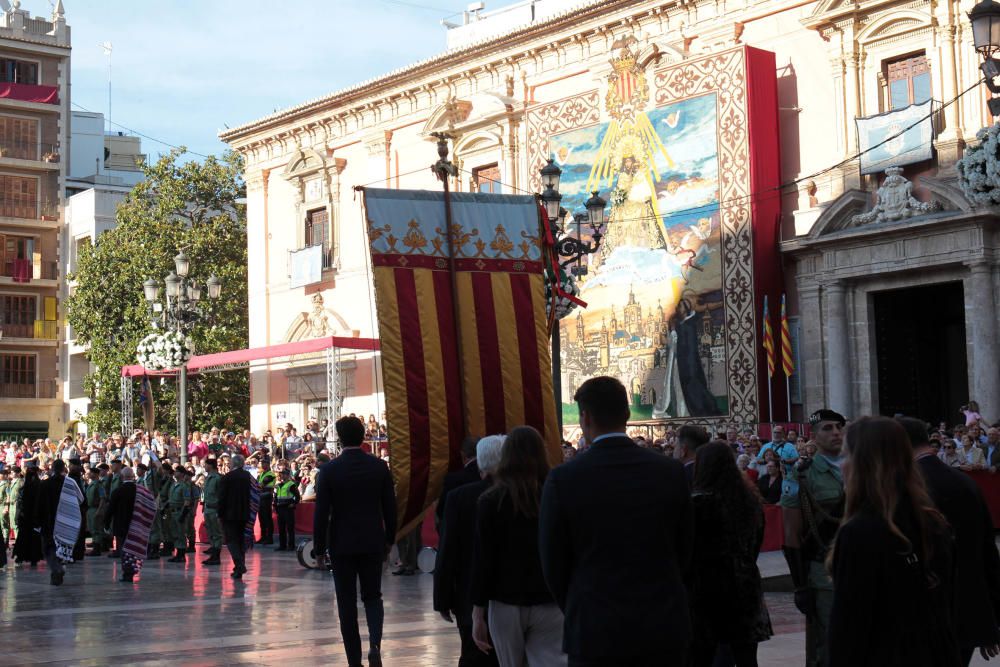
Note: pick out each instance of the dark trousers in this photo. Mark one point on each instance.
(51, 559)
(708, 654)
(667, 658)
(286, 527)
(265, 518)
(348, 569)
(471, 655)
(409, 546)
(234, 540)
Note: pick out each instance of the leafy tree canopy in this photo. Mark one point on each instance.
(192, 206)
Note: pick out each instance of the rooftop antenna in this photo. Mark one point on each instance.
(107, 51)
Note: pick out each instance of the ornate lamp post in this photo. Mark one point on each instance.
(179, 311)
(571, 249)
(985, 20)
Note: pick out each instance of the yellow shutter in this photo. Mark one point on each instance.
(50, 308)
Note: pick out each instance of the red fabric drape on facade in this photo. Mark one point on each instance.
(30, 93)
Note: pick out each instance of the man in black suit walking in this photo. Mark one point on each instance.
(453, 568)
(976, 603)
(356, 509)
(467, 474)
(604, 513)
(119, 514)
(234, 511)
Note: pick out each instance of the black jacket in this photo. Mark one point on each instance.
(977, 565)
(355, 501)
(234, 496)
(885, 612)
(48, 504)
(453, 568)
(615, 538)
(454, 479)
(120, 509)
(771, 493)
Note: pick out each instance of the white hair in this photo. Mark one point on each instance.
(127, 475)
(237, 462)
(488, 453)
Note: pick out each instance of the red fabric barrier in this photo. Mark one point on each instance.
(304, 514)
(989, 484)
(30, 93)
(774, 529)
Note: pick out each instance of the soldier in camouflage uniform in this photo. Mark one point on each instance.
(4, 513)
(210, 504)
(96, 500)
(180, 506)
(812, 503)
(12, 498)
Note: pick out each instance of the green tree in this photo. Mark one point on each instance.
(191, 205)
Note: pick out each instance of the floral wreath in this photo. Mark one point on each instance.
(979, 170)
(160, 352)
(564, 300)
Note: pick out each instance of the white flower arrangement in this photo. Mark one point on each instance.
(979, 170)
(162, 351)
(567, 284)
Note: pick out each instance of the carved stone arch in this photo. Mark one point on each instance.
(317, 323)
(447, 116)
(896, 22)
(475, 141)
(304, 161)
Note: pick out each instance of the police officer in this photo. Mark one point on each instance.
(210, 507)
(812, 503)
(4, 512)
(165, 534)
(96, 498)
(266, 481)
(286, 497)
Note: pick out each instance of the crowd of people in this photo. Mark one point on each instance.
(890, 546)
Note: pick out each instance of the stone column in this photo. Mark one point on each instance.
(811, 371)
(838, 359)
(981, 324)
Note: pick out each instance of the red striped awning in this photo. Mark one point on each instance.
(206, 361)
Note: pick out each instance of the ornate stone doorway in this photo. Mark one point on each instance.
(921, 351)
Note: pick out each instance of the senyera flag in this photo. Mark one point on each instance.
(787, 363)
(768, 340)
(487, 356)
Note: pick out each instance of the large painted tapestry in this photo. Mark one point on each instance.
(670, 293)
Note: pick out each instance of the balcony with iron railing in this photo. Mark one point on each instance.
(35, 151)
(27, 211)
(27, 92)
(25, 271)
(40, 389)
(41, 330)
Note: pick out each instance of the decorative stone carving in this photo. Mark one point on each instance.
(895, 201)
(319, 319)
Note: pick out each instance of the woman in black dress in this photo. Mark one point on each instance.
(727, 602)
(28, 545)
(892, 561)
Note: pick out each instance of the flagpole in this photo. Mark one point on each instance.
(788, 395)
(445, 170)
(770, 402)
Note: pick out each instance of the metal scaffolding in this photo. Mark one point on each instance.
(126, 396)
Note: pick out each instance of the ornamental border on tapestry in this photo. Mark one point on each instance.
(724, 74)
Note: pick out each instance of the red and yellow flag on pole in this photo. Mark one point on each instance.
(495, 360)
(787, 363)
(768, 341)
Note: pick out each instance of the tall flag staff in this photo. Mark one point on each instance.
(787, 363)
(769, 348)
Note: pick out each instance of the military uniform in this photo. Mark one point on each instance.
(164, 517)
(266, 481)
(189, 519)
(180, 506)
(210, 503)
(12, 501)
(96, 499)
(4, 512)
(816, 488)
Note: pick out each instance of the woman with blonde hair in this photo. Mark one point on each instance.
(892, 559)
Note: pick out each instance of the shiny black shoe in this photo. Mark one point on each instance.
(375, 657)
(127, 578)
(56, 578)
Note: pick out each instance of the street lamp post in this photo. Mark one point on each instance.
(179, 311)
(985, 20)
(572, 250)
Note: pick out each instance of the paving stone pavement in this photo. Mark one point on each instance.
(280, 614)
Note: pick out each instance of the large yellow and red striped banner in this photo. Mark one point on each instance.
(495, 361)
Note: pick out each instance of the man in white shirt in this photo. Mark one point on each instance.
(786, 451)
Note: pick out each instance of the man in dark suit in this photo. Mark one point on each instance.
(604, 513)
(689, 439)
(356, 510)
(120, 512)
(976, 603)
(234, 511)
(467, 474)
(46, 510)
(453, 568)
